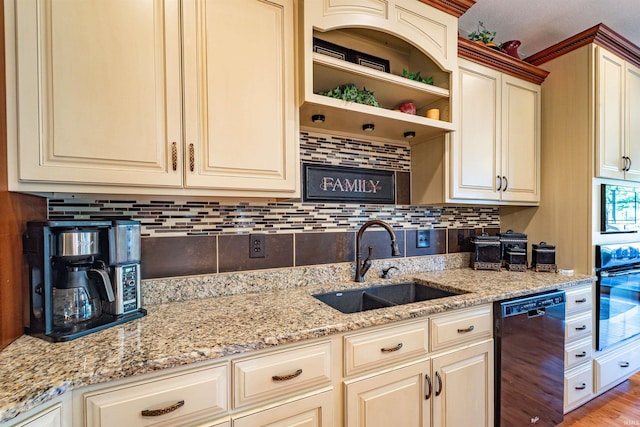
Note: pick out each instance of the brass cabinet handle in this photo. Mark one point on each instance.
(465, 330)
(506, 183)
(499, 178)
(427, 381)
(163, 411)
(583, 354)
(578, 301)
(192, 159)
(391, 349)
(581, 328)
(439, 390)
(174, 156)
(581, 386)
(624, 364)
(287, 377)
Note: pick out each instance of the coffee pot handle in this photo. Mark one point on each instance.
(106, 281)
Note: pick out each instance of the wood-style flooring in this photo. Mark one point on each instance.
(618, 407)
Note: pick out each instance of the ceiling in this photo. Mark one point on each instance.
(539, 24)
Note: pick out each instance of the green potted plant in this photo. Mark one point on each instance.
(484, 36)
(350, 92)
(416, 76)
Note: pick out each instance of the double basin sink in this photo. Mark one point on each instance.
(357, 300)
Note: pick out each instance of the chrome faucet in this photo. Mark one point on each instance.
(361, 269)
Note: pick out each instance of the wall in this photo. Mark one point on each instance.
(187, 237)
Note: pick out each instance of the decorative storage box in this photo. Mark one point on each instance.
(543, 257)
(516, 259)
(486, 252)
(509, 240)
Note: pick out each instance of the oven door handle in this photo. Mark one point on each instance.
(620, 273)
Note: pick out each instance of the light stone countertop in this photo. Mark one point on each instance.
(33, 371)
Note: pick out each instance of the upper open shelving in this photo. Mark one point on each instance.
(409, 35)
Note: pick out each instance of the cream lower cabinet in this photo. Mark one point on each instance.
(451, 390)
(54, 414)
(450, 387)
(315, 410)
(167, 97)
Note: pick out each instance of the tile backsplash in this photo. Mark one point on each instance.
(182, 237)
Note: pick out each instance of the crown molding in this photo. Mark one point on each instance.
(453, 7)
(600, 35)
(500, 61)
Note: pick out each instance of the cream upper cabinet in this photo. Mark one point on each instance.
(618, 104)
(95, 94)
(240, 106)
(496, 154)
(167, 97)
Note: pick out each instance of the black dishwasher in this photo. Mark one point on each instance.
(529, 357)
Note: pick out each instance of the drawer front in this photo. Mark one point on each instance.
(49, 418)
(578, 326)
(578, 385)
(187, 398)
(616, 365)
(577, 352)
(275, 374)
(579, 299)
(384, 346)
(461, 327)
(312, 411)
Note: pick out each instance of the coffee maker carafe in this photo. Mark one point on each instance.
(84, 276)
(81, 283)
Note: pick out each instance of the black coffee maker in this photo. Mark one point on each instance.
(75, 279)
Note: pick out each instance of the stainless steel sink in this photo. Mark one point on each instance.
(357, 300)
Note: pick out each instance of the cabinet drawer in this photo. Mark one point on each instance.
(275, 374)
(384, 346)
(460, 327)
(315, 410)
(616, 365)
(578, 385)
(577, 352)
(578, 326)
(184, 397)
(579, 299)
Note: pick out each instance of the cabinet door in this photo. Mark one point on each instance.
(98, 98)
(520, 140)
(312, 411)
(609, 115)
(395, 398)
(475, 149)
(240, 108)
(463, 383)
(632, 128)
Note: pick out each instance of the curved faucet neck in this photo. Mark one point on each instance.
(361, 269)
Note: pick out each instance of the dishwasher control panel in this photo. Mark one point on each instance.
(523, 305)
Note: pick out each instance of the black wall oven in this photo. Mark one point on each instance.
(617, 293)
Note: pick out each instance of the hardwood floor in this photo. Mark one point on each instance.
(618, 407)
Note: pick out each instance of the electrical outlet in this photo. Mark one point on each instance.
(257, 246)
(423, 239)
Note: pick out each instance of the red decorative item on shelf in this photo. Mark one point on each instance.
(511, 48)
(408, 107)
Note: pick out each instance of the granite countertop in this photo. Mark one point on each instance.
(33, 371)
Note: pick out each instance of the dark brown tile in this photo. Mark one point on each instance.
(381, 244)
(324, 248)
(491, 231)
(437, 243)
(460, 239)
(403, 188)
(177, 256)
(234, 253)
